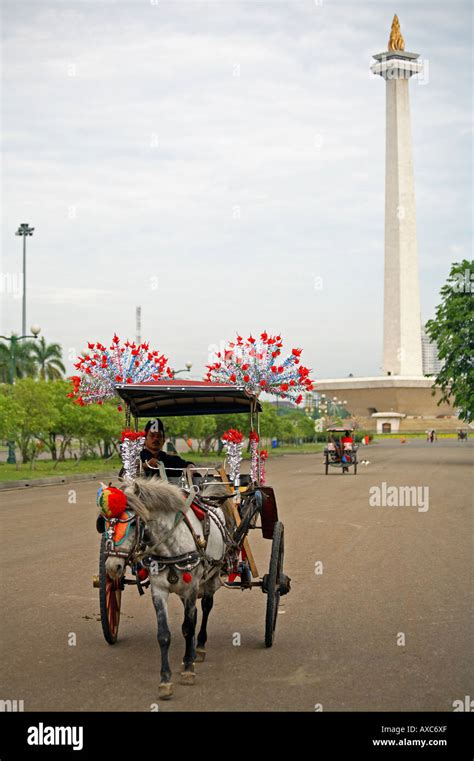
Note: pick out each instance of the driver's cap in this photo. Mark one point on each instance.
(156, 426)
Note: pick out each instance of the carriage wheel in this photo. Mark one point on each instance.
(110, 596)
(272, 585)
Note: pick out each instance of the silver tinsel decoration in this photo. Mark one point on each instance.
(130, 453)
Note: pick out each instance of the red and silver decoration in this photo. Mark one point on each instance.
(263, 456)
(130, 448)
(233, 443)
(256, 364)
(254, 438)
(102, 369)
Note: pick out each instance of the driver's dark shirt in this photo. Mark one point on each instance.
(168, 460)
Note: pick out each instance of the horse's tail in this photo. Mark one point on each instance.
(149, 496)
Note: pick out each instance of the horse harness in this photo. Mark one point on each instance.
(109, 532)
(186, 562)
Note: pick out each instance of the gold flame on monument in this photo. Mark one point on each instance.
(396, 41)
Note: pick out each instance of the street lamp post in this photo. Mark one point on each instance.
(35, 331)
(24, 230)
(186, 369)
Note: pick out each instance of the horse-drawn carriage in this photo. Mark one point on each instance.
(186, 533)
(340, 450)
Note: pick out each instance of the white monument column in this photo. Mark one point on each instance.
(402, 317)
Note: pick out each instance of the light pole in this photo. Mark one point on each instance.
(35, 331)
(24, 230)
(186, 369)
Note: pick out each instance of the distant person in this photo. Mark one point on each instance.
(347, 438)
(170, 448)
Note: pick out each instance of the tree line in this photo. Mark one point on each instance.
(33, 359)
(39, 417)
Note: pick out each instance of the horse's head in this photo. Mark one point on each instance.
(146, 498)
(122, 536)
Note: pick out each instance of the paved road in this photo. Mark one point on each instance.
(387, 571)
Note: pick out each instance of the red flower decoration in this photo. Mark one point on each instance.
(132, 435)
(100, 372)
(251, 363)
(233, 436)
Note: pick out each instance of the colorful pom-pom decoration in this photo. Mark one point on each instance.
(187, 577)
(111, 501)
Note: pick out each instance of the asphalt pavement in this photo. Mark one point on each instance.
(378, 617)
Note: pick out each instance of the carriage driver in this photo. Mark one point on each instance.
(152, 452)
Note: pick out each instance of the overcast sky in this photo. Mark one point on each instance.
(221, 164)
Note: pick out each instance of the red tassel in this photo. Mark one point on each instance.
(187, 577)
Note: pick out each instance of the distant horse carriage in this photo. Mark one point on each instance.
(340, 450)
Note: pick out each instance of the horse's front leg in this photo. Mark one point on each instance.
(189, 628)
(160, 601)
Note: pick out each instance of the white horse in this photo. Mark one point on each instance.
(180, 560)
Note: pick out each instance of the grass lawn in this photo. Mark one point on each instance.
(46, 469)
(216, 458)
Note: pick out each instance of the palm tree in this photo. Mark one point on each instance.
(48, 359)
(25, 361)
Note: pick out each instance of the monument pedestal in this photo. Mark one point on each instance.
(410, 398)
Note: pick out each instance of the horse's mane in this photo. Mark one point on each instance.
(149, 496)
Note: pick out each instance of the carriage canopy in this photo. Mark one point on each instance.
(166, 398)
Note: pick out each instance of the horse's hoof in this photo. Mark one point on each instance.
(187, 677)
(165, 690)
(200, 655)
